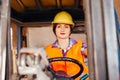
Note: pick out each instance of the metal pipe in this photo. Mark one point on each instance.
(3, 37)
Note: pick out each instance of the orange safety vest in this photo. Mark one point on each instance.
(68, 67)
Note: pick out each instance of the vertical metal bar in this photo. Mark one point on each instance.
(110, 39)
(86, 8)
(96, 41)
(9, 65)
(0, 43)
(4, 24)
(102, 40)
(19, 38)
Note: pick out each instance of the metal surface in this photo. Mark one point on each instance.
(110, 40)
(32, 64)
(4, 34)
(102, 43)
(90, 43)
(19, 40)
(98, 40)
(31, 69)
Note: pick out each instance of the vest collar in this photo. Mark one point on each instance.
(72, 42)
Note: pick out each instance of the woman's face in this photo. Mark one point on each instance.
(62, 31)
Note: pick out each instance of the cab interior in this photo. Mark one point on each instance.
(31, 23)
(38, 14)
(23, 23)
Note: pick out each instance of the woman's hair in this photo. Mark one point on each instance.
(55, 25)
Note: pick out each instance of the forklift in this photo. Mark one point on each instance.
(94, 23)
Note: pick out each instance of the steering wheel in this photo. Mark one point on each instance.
(69, 60)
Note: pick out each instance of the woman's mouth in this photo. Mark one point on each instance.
(62, 33)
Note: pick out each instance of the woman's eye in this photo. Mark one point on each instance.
(58, 26)
(66, 27)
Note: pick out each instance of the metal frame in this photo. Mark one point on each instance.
(19, 38)
(5, 53)
(102, 43)
(102, 40)
(110, 35)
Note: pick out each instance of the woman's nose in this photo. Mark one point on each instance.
(62, 27)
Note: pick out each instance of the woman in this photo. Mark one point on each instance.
(64, 46)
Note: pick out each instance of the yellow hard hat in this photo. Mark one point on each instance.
(63, 17)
